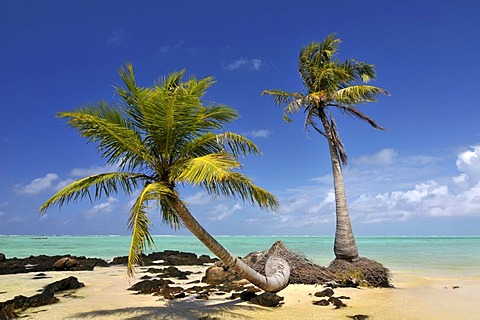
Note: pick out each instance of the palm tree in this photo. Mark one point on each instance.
(331, 84)
(161, 138)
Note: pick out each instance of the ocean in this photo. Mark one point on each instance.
(429, 256)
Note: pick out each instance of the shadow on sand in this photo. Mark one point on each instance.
(178, 310)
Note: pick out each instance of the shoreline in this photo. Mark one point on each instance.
(105, 296)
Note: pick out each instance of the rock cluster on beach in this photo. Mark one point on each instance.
(47, 296)
(48, 263)
(44, 263)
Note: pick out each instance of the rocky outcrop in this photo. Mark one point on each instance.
(169, 258)
(49, 263)
(8, 308)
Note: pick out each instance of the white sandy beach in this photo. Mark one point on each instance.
(105, 297)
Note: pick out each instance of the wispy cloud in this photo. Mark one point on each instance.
(179, 46)
(382, 157)
(244, 63)
(199, 198)
(84, 172)
(261, 133)
(222, 211)
(104, 207)
(118, 38)
(37, 185)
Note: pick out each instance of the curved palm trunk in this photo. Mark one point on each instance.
(277, 269)
(345, 246)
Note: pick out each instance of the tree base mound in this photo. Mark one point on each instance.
(360, 272)
(302, 270)
(340, 273)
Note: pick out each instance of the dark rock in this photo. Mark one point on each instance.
(2, 257)
(331, 284)
(206, 259)
(235, 295)
(154, 270)
(44, 263)
(344, 298)
(180, 295)
(328, 292)
(145, 277)
(202, 296)
(64, 284)
(120, 260)
(169, 292)
(40, 276)
(247, 295)
(220, 273)
(173, 272)
(323, 302)
(150, 286)
(197, 289)
(65, 263)
(7, 312)
(7, 308)
(267, 299)
(169, 257)
(337, 302)
(358, 317)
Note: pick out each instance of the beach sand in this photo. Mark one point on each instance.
(105, 297)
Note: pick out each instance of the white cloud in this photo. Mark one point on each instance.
(222, 211)
(383, 157)
(261, 133)
(401, 189)
(199, 198)
(244, 63)
(37, 185)
(84, 172)
(118, 38)
(104, 207)
(179, 45)
(468, 163)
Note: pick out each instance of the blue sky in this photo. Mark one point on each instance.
(419, 177)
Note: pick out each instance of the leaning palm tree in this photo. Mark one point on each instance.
(162, 138)
(332, 84)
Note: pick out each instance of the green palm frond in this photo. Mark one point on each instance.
(116, 138)
(104, 184)
(139, 222)
(237, 144)
(358, 94)
(293, 101)
(357, 114)
(205, 169)
(236, 185)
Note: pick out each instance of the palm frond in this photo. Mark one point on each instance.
(357, 114)
(104, 184)
(237, 144)
(139, 222)
(236, 185)
(116, 138)
(358, 94)
(205, 169)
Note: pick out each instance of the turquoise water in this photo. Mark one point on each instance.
(428, 255)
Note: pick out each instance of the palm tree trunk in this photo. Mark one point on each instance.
(277, 269)
(345, 247)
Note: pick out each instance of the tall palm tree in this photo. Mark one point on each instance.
(161, 138)
(332, 84)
